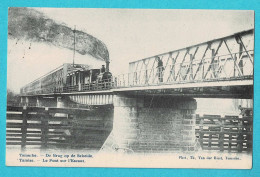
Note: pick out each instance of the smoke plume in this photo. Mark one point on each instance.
(31, 25)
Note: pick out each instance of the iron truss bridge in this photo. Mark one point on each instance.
(225, 59)
(223, 65)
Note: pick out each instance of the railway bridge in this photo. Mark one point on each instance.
(154, 103)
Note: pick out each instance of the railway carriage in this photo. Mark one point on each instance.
(69, 78)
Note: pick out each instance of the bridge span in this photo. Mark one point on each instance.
(220, 68)
(154, 103)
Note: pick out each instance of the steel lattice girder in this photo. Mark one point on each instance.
(230, 56)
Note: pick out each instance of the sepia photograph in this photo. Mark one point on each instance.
(132, 88)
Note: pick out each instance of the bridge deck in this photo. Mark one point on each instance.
(225, 62)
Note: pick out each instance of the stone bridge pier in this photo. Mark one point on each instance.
(152, 124)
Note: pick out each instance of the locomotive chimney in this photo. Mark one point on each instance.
(103, 69)
(107, 66)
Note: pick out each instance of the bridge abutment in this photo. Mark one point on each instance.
(152, 124)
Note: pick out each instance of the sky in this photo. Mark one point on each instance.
(129, 34)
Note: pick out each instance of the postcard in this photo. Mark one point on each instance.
(136, 88)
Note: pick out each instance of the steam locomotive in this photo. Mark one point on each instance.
(70, 78)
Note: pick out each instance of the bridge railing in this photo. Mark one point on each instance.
(105, 84)
(72, 88)
(233, 66)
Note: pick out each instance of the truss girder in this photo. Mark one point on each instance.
(231, 57)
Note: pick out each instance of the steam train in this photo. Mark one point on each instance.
(70, 78)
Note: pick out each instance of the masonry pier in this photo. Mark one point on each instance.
(152, 124)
